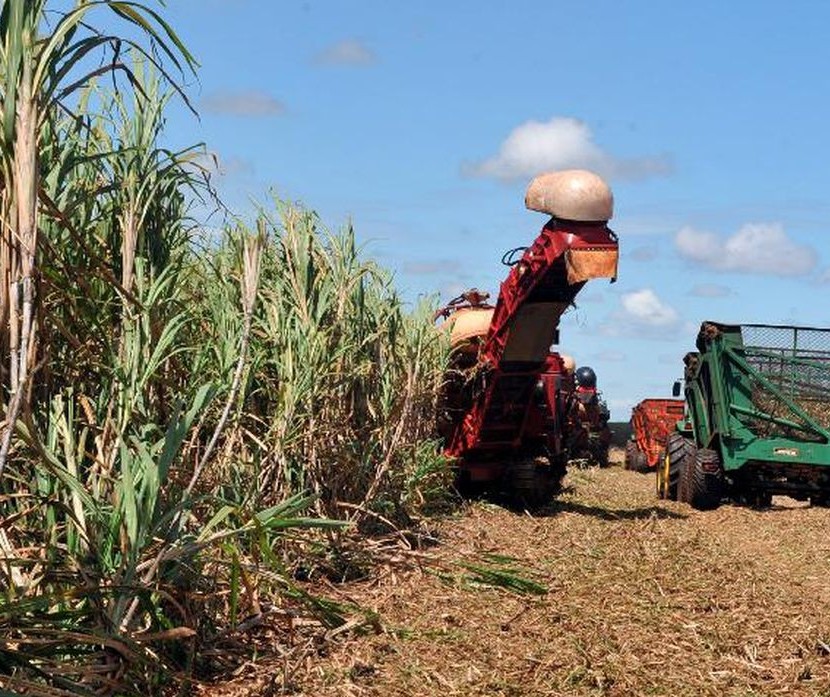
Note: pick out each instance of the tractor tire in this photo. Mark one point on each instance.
(705, 481)
(821, 500)
(641, 462)
(684, 483)
(631, 451)
(534, 480)
(678, 452)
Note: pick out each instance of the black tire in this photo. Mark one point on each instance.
(631, 451)
(821, 500)
(534, 480)
(705, 481)
(641, 463)
(679, 451)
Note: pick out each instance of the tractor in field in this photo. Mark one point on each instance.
(651, 422)
(758, 403)
(504, 409)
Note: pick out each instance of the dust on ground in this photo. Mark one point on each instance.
(644, 597)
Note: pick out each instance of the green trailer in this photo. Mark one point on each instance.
(758, 407)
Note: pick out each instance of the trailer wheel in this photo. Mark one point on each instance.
(679, 450)
(534, 480)
(641, 462)
(705, 481)
(631, 455)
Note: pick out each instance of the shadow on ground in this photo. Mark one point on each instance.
(560, 505)
(603, 513)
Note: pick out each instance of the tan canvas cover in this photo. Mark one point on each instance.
(467, 324)
(585, 264)
(572, 194)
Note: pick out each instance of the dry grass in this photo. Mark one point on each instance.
(645, 597)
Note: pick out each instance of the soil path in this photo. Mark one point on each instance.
(643, 597)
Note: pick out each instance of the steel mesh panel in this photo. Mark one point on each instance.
(796, 363)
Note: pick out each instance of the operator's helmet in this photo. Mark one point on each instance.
(586, 377)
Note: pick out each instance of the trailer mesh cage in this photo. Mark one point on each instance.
(791, 380)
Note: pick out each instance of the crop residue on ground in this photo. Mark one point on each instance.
(643, 597)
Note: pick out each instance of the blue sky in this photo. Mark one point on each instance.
(422, 123)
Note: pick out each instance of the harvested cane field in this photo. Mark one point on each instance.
(641, 597)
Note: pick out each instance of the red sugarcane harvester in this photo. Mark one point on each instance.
(505, 412)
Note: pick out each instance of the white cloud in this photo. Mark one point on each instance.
(561, 143)
(710, 290)
(348, 52)
(644, 309)
(642, 314)
(762, 248)
(247, 103)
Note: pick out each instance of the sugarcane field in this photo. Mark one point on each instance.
(362, 349)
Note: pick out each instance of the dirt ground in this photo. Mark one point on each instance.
(642, 597)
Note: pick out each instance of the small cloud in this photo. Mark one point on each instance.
(642, 314)
(710, 290)
(644, 308)
(643, 254)
(439, 266)
(248, 103)
(761, 248)
(348, 52)
(561, 143)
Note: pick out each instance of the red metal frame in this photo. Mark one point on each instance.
(651, 421)
(502, 412)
